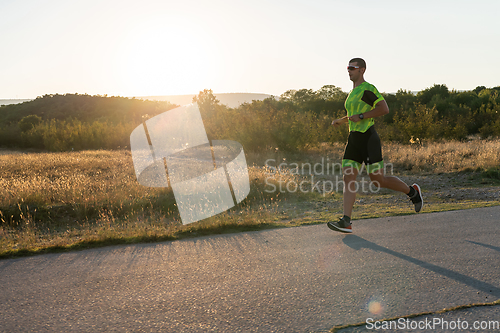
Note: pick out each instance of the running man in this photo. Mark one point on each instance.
(363, 145)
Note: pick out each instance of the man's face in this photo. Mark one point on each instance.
(354, 71)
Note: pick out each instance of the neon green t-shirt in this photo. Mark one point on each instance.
(362, 99)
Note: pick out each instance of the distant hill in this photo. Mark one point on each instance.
(231, 100)
(13, 101)
(85, 108)
(89, 108)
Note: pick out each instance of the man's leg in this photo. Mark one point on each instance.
(394, 183)
(390, 182)
(350, 187)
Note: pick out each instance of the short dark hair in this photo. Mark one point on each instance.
(361, 62)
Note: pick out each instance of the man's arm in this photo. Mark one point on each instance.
(338, 122)
(380, 109)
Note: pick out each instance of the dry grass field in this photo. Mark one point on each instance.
(446, 157)
(74, 200)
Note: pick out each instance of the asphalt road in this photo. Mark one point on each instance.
(304, 279)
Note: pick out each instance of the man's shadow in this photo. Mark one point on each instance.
(496, 248)
(358, 243)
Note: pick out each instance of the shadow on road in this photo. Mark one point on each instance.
(496, 248)
(358, 243)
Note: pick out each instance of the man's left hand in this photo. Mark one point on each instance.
(354, 118)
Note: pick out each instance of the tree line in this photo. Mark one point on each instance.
(301, 118)
(294, 121)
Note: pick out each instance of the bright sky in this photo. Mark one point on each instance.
(170, 47)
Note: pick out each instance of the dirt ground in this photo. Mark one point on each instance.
(441, 192)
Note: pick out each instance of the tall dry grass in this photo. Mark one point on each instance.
(78, 183)
(50, 200)
(63, 199)
(439, 157)
(434, 157)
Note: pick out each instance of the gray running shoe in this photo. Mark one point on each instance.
(417, 199)
(342, 226)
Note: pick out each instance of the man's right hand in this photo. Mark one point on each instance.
(338, 122)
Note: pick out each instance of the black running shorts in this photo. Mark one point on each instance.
(363, 148)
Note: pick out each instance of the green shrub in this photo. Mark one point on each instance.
(29, 122)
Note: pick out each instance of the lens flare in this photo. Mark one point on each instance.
(375, 307)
